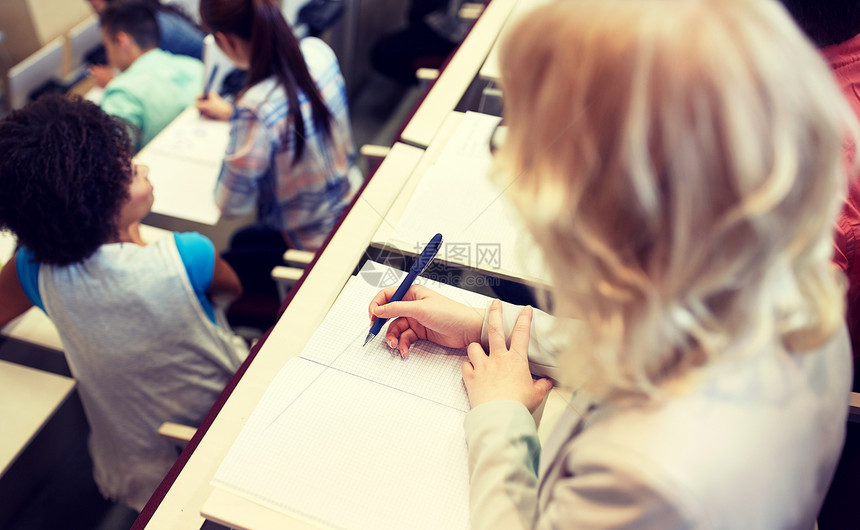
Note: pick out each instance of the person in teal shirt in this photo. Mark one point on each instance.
(153, 86)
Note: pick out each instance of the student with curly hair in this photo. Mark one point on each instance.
(679, 163)
(137, 321)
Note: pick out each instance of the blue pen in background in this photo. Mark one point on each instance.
(208, 86)
(417, 268)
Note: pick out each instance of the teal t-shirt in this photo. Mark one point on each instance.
(151, 92)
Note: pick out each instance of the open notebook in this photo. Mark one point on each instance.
(356, 437)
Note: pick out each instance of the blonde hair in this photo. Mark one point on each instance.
(680, 164)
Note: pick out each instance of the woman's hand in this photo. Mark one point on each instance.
(426, 314)
(504, 374)
(214, 107)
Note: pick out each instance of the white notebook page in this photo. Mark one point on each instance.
(356, 437)
(481, 228)
(430, 371)
(193, 137)
(182, 187)
(351, 453)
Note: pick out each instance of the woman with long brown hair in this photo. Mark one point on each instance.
(291, 158)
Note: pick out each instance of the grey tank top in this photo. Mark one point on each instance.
(142, 352)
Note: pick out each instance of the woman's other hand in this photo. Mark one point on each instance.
(504, 373)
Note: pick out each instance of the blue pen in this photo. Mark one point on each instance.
(208, 86)
(417, 268)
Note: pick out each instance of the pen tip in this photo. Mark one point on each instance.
(368, 339)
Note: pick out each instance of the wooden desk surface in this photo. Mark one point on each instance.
(82, 87)
(180, 508)
(490, 68)
(28, 399)
(457, 75)
(33, 326)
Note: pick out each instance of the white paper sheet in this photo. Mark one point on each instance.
(356, 437)
(183, 188)
(456, 198)
(194, 138)
(184, 163)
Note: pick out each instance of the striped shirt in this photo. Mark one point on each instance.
(305, 199)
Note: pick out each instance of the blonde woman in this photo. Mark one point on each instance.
(680, 164)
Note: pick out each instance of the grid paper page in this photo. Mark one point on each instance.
(430, 371)
(351, 454)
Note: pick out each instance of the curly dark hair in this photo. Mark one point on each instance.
(65, 172)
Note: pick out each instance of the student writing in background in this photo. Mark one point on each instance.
(684, 203)
(291, 157)
(137, 321)
(154, 86)
(179, 35)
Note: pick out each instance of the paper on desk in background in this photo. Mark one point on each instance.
(356, 437)
(470, 142)
(182, 188)
(95, 94)
(455, 196)
(184, 162)
(194, 138)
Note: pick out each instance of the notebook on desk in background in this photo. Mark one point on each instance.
(184, 161)
(353, 437)
(482, 229)
(193, 138)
